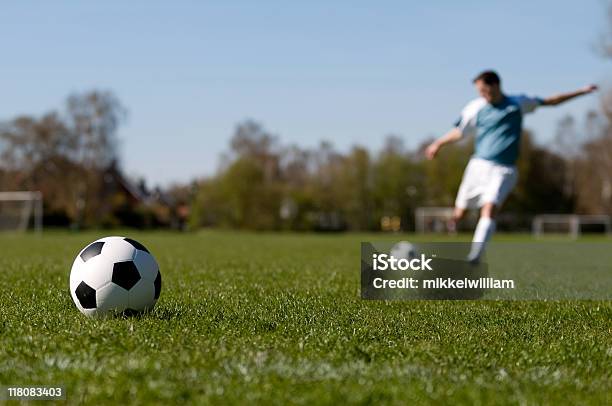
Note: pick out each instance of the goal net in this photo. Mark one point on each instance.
(570, 224)
(20, 211)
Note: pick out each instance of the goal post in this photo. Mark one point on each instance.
(571, 224)
(20, 210)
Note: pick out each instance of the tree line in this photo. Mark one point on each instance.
(263, 184)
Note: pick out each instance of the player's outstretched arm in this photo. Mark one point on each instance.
(432, 150)
(563, 97)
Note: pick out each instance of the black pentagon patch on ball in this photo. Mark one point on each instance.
(125, 274)
(91, 251)
(157, 285)
(86, 296)
(137, 245)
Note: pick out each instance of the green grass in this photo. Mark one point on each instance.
(276, 318)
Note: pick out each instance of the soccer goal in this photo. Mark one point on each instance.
(570, 224)
(432, 219)
(20, 211)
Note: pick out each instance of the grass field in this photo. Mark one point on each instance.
(277, 318)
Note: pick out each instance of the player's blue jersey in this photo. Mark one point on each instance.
(497, 127)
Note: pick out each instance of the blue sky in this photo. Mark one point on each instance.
(349, 72)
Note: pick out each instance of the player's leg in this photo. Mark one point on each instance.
(484, 230)
(467, 194)
(501, 181)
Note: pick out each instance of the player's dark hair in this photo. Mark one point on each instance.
(489, 77)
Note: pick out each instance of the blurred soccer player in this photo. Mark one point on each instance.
(495, 119)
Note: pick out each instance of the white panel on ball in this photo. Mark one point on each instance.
(96, 272)
(146, 264)
(141, 296)
(117, 249)
(112, 297)
(76, 273)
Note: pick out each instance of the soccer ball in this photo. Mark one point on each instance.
(114, 275)
(403, 250)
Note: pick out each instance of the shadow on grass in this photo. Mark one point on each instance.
(157, 313)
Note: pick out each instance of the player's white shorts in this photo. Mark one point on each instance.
(485, 182)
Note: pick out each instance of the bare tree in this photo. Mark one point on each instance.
(94, 118)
